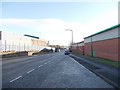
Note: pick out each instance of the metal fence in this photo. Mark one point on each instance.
(17, 42)
(13, 46)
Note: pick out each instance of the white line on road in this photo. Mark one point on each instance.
(40, 66)
(82, 66)
(15, 78)
(30, 70)
(45, 63)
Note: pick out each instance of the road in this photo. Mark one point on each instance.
(54, 70)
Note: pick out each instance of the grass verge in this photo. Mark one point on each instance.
(100, 60)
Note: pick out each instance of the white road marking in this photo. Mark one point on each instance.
(30, 70)
(76, 62)
(15, 78)
(40, 66)
(45, 63)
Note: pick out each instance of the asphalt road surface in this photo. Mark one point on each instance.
(54, 70)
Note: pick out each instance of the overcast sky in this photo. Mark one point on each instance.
(48, 20)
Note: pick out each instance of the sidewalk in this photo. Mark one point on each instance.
(108, 73)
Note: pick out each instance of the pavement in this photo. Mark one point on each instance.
(108, 73)
(54, 70)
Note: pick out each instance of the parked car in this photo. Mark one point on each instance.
(66, 52)
(46, 50)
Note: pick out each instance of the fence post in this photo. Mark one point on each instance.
(19, 46)
(24, 46)
(92, 52)
(5, 46)
(12, 46)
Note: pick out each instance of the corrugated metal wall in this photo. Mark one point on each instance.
(16, 42)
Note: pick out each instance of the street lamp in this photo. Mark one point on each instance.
(71, 34)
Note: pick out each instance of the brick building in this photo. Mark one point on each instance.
(78, 47)
(104, 44)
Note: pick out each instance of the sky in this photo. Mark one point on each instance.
(49, 20)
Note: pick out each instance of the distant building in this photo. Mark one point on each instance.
(39, 42)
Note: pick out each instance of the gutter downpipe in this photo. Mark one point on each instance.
(92, 52)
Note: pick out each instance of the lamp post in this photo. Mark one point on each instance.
(71, 34)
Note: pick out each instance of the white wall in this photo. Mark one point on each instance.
(16, 42)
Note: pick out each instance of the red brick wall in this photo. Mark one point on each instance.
(81, 50)
(119, 49)
(105, 49)
(78, 49)
(87, 49)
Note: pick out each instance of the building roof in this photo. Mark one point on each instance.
(78, 43)
(103, 31)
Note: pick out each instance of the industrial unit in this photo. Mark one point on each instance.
(16, 42)
(78, 47)
(103, 44)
